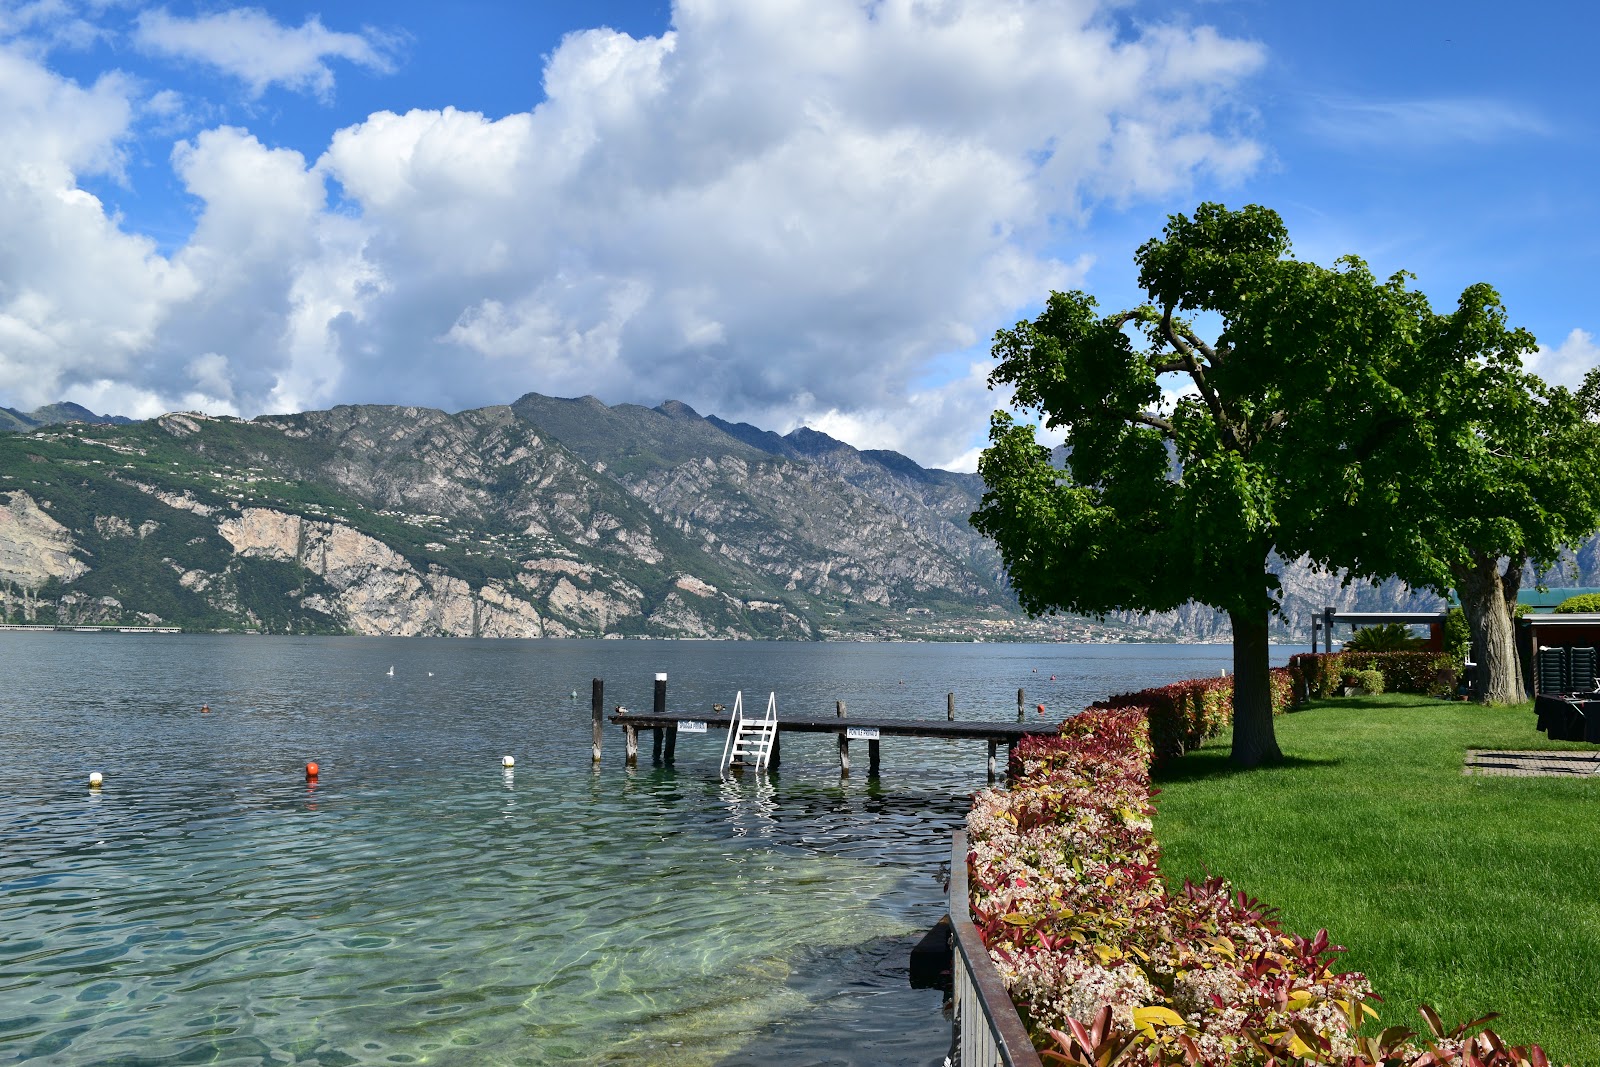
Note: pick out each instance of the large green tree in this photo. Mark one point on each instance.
(1299, 415)
(1515, 481)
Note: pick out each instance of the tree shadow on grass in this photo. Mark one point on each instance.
(1210, 767)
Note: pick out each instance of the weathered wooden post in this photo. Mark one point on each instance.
(660, 709)
(950, 707)
(597, 700)
(1022, 701)
(630, 744)
(993, 744)
(844, 743)
(872, 759)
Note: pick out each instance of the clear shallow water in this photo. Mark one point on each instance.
(419, 904)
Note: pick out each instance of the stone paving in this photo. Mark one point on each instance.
(1511, 762)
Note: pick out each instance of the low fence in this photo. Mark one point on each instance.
(988, 1030)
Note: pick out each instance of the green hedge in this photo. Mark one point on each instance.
(1318, 675)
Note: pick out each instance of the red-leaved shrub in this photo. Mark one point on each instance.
(1185, 715)
(1108, 967)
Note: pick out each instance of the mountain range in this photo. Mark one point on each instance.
(547, 517)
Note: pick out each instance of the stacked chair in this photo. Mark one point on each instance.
(1567, 702)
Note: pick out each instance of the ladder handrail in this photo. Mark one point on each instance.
(743, 730)
(733, 731)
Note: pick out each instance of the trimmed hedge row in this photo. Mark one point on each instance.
(1185, 715)
(1108, 967)
(1318, 675)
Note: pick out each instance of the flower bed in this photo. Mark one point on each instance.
(1106, 966)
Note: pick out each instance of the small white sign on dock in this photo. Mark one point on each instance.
(691, 726)
(861, 733)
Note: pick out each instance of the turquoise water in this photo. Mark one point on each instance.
(421, 904)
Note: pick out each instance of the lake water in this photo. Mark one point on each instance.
(418, 904)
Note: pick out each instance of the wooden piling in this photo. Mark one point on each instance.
(844, 743)
(993, 745)
(1022, 703)
(950, 707)
(630, 744)
(777, 751)
(596, 707)
(656, 737)
(872, 759)
(671, 755)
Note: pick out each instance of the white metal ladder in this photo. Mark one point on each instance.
(750, 741)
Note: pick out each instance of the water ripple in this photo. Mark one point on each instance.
(420, 904)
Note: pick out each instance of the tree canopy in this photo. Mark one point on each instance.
(1516, 481)
(1296, 431)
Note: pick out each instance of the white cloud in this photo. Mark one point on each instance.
(80, 300)
(249, 44)
(1423, 124)
(780, 212)
(775, 201)
(1568, 362)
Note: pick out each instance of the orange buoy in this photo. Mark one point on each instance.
(1041, 708)
(311, 770)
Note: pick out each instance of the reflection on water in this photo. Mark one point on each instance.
(418, 903)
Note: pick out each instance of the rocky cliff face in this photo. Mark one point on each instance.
(542, 518)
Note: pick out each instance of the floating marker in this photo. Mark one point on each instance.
(205, 709)
(1041, 709)
(508, 761)
(94, 780)
(311, 770)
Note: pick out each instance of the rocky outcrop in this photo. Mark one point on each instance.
(378, 591)
(34, 548)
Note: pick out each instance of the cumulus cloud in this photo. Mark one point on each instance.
(784, 212)
(1568, 362)
(780, 209)
(249, 44)
(80, 300)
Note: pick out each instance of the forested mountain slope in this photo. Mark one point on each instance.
(545, 517)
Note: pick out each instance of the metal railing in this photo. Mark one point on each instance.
(989, 1032)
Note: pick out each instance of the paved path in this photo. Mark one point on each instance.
(1515, 763)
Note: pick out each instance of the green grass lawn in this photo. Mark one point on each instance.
(1470, 893)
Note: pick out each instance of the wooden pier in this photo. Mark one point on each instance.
(666, 725)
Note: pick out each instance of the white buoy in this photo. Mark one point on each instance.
(508, 761)
(94, 780)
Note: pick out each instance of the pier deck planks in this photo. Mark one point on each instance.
(1009, 732)
(666, 723)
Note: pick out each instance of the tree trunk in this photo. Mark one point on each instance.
(1254, 741)
(1488, 599)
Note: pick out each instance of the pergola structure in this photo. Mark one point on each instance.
(1330, 618)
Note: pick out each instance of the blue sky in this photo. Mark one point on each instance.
(784, 211)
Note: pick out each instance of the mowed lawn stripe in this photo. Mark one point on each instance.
(1472, 893)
